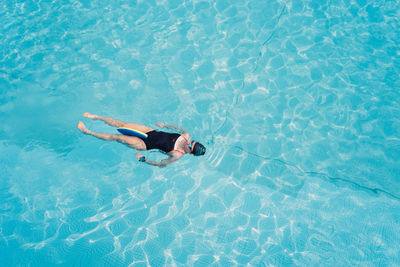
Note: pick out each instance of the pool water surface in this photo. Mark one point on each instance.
(297, 102)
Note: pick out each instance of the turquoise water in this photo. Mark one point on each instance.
(298, 103)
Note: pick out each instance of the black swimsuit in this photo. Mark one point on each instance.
(161, 140)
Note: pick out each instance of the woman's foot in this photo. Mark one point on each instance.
(90, 116)
(83, 128)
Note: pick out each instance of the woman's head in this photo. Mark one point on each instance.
(197, 149)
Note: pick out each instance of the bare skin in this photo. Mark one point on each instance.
(181, 144)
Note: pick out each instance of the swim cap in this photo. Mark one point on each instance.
(198, 149)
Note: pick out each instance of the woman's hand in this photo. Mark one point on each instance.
(140, 157)
(160, 124)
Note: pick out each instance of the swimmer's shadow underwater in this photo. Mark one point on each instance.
(278, 175)
(256, 169)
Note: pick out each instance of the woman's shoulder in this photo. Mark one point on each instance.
(186, 135)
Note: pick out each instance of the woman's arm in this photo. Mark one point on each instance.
(162, 163)
(170, 126)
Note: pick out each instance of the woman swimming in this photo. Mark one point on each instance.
(175, 145)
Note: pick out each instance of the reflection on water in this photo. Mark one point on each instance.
(296, 102)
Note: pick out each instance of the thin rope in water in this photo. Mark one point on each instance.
(321, 174)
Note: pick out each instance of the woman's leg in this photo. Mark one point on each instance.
(109, 121)
(131, 141)
(139, 127)
(117, 123)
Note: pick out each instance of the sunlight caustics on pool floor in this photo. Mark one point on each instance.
(296, 101)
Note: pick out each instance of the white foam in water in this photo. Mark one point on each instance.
(297, 103)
